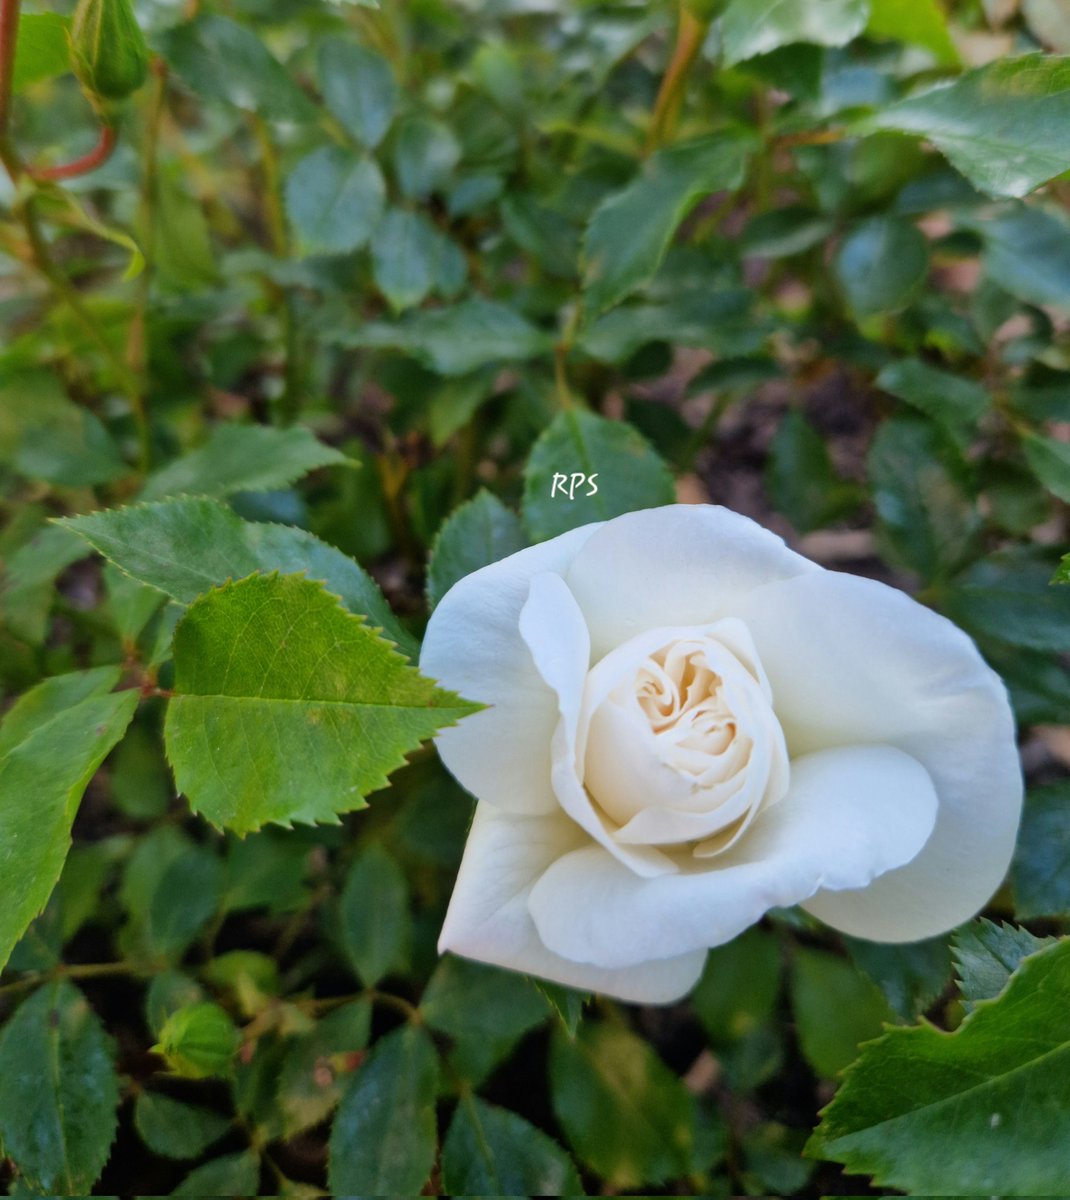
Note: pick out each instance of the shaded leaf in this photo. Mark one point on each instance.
(243, 458)
(174, 1128)
(358, 88)
(631, 230)
(951, 401)
(627, 1116)
(186, 546)
(626, 472)
(881, 264)
(334, 199)
(1040, 872)
(59, 1092)
(987, 954)
(384, 1137)
(490, 1151)
(480, 532)
(836, 1008)
(224, 61)
(375, 924)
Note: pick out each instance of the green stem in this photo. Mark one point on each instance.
(67, 293)
(690, 34)
(82, 971)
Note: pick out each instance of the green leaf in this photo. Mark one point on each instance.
(752, 27)
(911, 975)
(404, 255)
(977, 1112)
(800, 477)
(186, 546)
(785, 232)
(176, 1129)
(987, 954)
(243, 458)
(334, 199)
(480, 532)
(836, 1008)
(1040, 872)
(59, 1093)
(183, 258)
(631, 230)
(459, 339)
(358, 88)
(28, 582)
(226, 62)
(1011, 600)
(739, 987)
(626, 1115)
(1062, 573)
(384, 1136)
(187, 897)
(231, 1175)
(1050, 461)
(611, 457)
(1003, 125)
(375, 923)
(51, 744)
(425, 153)
(313, 1070)
(46, 436)
(917, 22)
(881, 264)
(490, 1151)
(42, 50)
(1027, 252)
(288, 708)
(925, 519)
(953, 402)
(483, 1010)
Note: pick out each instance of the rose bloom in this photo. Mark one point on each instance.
(688, 724)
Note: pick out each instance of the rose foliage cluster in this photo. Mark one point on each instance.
(532, 635)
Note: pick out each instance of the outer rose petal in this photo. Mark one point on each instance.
(488, 917)
(849, 815)
(850, 660)
(681, 565)
(473, 646)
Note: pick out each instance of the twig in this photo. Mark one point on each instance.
(96, 157)
(690, 34)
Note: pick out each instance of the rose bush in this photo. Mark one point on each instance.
(689, 724)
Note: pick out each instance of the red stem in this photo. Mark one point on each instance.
(9, 28)
(96, 157)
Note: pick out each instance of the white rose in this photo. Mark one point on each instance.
(688, 725)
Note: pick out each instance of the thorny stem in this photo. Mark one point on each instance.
(690, 34)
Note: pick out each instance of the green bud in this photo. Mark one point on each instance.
(199, 1042)
(108, 50)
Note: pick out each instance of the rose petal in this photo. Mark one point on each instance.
(554, 630)
(851, 660)
(473, 645)
(680, 565)
(488, 917)
(849, 815)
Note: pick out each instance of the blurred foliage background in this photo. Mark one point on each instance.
(376, 273)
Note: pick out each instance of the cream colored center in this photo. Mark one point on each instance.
(683, 747)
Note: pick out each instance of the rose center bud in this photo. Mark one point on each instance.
(683, 747)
